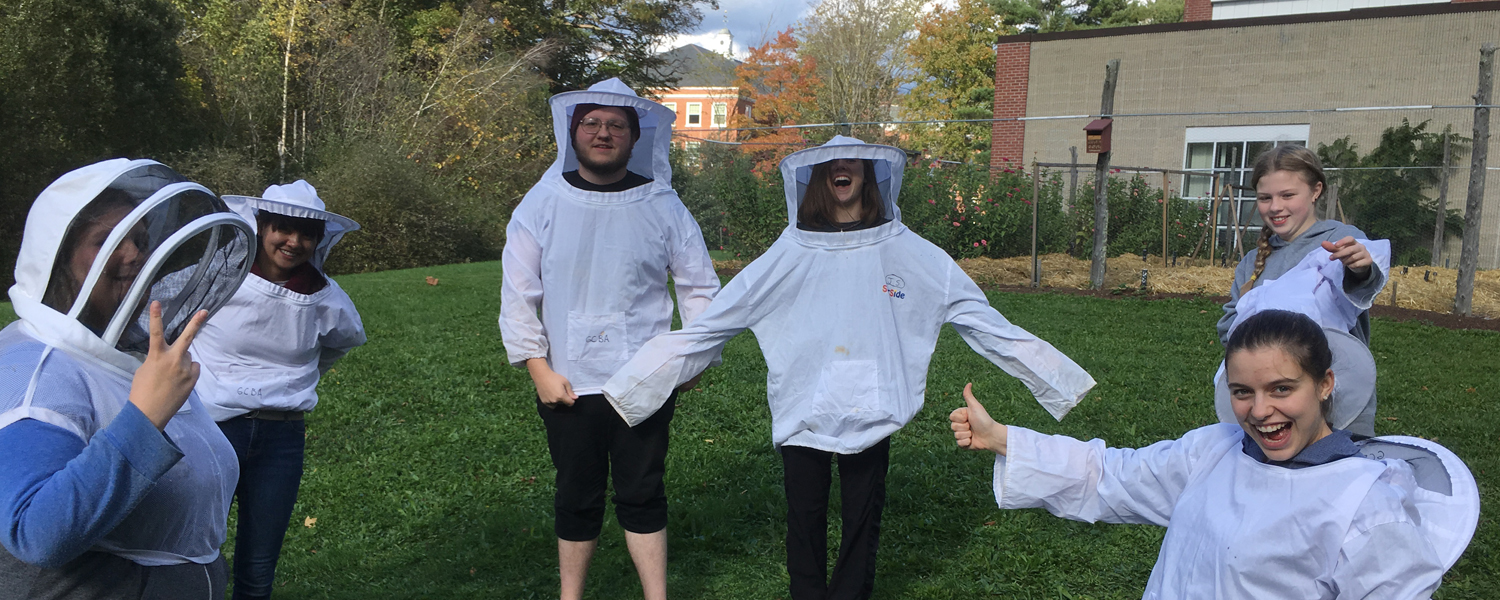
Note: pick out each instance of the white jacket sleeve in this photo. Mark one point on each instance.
(1087, 481)
(521, 295)
(692, 268)
(642, 386)
(340, 330)
(1055, 380)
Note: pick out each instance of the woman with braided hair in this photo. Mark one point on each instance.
(1326, 270)
(1288, 181)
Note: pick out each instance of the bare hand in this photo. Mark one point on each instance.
(166, 378)
(1353, 254)
(974, 429)
(554, 390)
(691, 384)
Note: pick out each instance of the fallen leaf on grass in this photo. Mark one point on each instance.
(471, 571)
(989, 522)
(432, 280)
(309, 522)
(1390, 418)
(1470, 390)
(1424, 388)
(1202, 312)
(709, 441)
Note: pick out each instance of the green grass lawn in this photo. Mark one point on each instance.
(429, 477)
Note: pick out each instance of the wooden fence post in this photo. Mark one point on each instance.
(1468, 259)
(1442, 208)
(1101, 181)
(1165, 181)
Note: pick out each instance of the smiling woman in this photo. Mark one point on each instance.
(1348, 522)
(1280, 377)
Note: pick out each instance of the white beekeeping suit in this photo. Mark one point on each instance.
(600, 256)
(1315, 287)
(269, 346)
(1384, 525)
(70, 366)
(848, 322)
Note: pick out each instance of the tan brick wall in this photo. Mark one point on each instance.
(1418, 60)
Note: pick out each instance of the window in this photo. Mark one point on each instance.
(672, 106)
(721, 114)
(695, 114)
(1230, 152)
(748, 116)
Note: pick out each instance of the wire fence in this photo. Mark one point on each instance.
(1192, 204)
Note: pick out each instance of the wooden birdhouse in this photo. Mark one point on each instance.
(1097, 132)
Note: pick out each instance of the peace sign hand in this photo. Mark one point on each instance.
(166, 378)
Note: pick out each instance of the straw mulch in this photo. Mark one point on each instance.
(1434, 293)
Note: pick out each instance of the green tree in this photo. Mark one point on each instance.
(1065, 15)
(1389, 200)
(859, 48)
(80, 81)
(953, 59)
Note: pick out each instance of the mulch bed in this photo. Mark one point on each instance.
(1444, 320)
(1437, 319)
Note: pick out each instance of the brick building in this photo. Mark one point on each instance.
(1253, 56)
(705, 96)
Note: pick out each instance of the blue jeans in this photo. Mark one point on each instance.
(270, 455)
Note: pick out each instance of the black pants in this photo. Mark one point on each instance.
(862, 486)
(588, 440)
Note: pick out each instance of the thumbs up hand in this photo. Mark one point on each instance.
(974, 429)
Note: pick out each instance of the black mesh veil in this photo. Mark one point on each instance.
(180, 246)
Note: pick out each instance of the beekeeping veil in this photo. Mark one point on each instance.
(297, 199)
(153, 236)
(889, 162)
(1315, 287)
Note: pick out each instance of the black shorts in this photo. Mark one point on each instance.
(588, 440)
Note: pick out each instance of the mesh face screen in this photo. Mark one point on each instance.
(200, 271)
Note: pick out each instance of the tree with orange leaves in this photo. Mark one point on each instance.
(784, 84)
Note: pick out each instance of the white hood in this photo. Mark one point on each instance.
(890, 162)
(196, 254)
(649, 155)
(297, 199)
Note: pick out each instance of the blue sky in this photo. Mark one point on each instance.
(752, 22)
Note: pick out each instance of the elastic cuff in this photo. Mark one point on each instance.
(150, 452)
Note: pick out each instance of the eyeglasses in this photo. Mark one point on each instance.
(591, 126)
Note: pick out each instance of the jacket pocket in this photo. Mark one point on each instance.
(597, 337)
(848, 387)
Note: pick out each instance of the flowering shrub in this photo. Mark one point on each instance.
(960, 208)
(1135, 220)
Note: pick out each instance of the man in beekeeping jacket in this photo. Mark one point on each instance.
(590, 247)
(114, 480)
(262, 356)
(847, 305)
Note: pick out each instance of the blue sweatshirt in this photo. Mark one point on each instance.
(59, 496)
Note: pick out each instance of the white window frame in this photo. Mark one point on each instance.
(1236, 141)
(720, 116)
(695, 114)
(672, 106)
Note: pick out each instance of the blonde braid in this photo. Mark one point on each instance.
(1263, 251)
